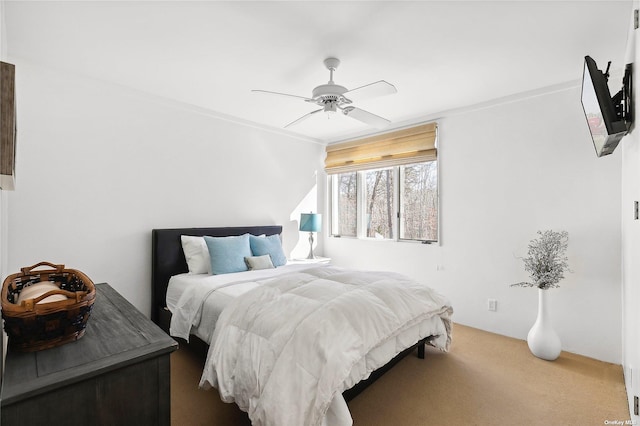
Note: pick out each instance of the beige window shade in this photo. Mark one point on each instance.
(405, 146)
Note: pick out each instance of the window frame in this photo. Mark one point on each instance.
(361, 227)
(333, 196)
(363, 201)
(399, 215)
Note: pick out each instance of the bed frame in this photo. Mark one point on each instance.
(168, 260)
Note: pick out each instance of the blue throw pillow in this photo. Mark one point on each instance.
(227, 253)
(270, 245)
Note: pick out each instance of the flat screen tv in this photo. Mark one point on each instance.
(607, 117)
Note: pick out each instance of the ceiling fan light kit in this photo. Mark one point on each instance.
(333, 97)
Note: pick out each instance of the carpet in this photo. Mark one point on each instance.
(485, 379)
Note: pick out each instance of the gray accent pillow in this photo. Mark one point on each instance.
(259, 262)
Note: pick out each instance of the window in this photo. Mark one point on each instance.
(385, 186)
(344, 205)
(419, 201)
(379, 205)
(395, 203)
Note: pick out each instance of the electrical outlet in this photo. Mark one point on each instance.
(492, 305)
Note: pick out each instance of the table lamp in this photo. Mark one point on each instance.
(311, 222)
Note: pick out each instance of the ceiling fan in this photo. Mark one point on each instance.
(333, 97)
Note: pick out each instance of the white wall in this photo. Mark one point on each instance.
(630, 152)
(507, 171)
(100, 166)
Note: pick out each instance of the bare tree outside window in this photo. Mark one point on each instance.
(379, 208)
(419, 201)
(346, 205)
(398, 203)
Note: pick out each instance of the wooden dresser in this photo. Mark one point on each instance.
(118, 373)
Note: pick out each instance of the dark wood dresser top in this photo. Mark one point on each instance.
(117, 335)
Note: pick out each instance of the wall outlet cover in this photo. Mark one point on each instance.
(492, 305)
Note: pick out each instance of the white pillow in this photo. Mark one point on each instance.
(196, 253)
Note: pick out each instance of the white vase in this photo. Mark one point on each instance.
(542, 339)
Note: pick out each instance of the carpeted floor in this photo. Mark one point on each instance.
(485, 379)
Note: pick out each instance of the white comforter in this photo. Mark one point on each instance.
(285, 349)
(197, 300)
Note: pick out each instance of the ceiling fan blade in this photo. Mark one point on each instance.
(304, 117)
(366, 117)
(379, 88)
(284, 94)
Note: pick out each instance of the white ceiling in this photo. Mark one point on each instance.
(440, 55)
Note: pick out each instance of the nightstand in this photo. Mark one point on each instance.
(317, 260)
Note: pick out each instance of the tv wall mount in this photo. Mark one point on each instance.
(623, 100)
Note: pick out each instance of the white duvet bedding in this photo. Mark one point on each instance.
(196, 300)
(286, 350)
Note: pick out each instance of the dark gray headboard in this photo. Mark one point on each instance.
(168, 257)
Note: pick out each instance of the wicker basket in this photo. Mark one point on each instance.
(32, 326)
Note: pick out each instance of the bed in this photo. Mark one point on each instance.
(297, 388)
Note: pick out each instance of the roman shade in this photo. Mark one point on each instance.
(406, 146)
